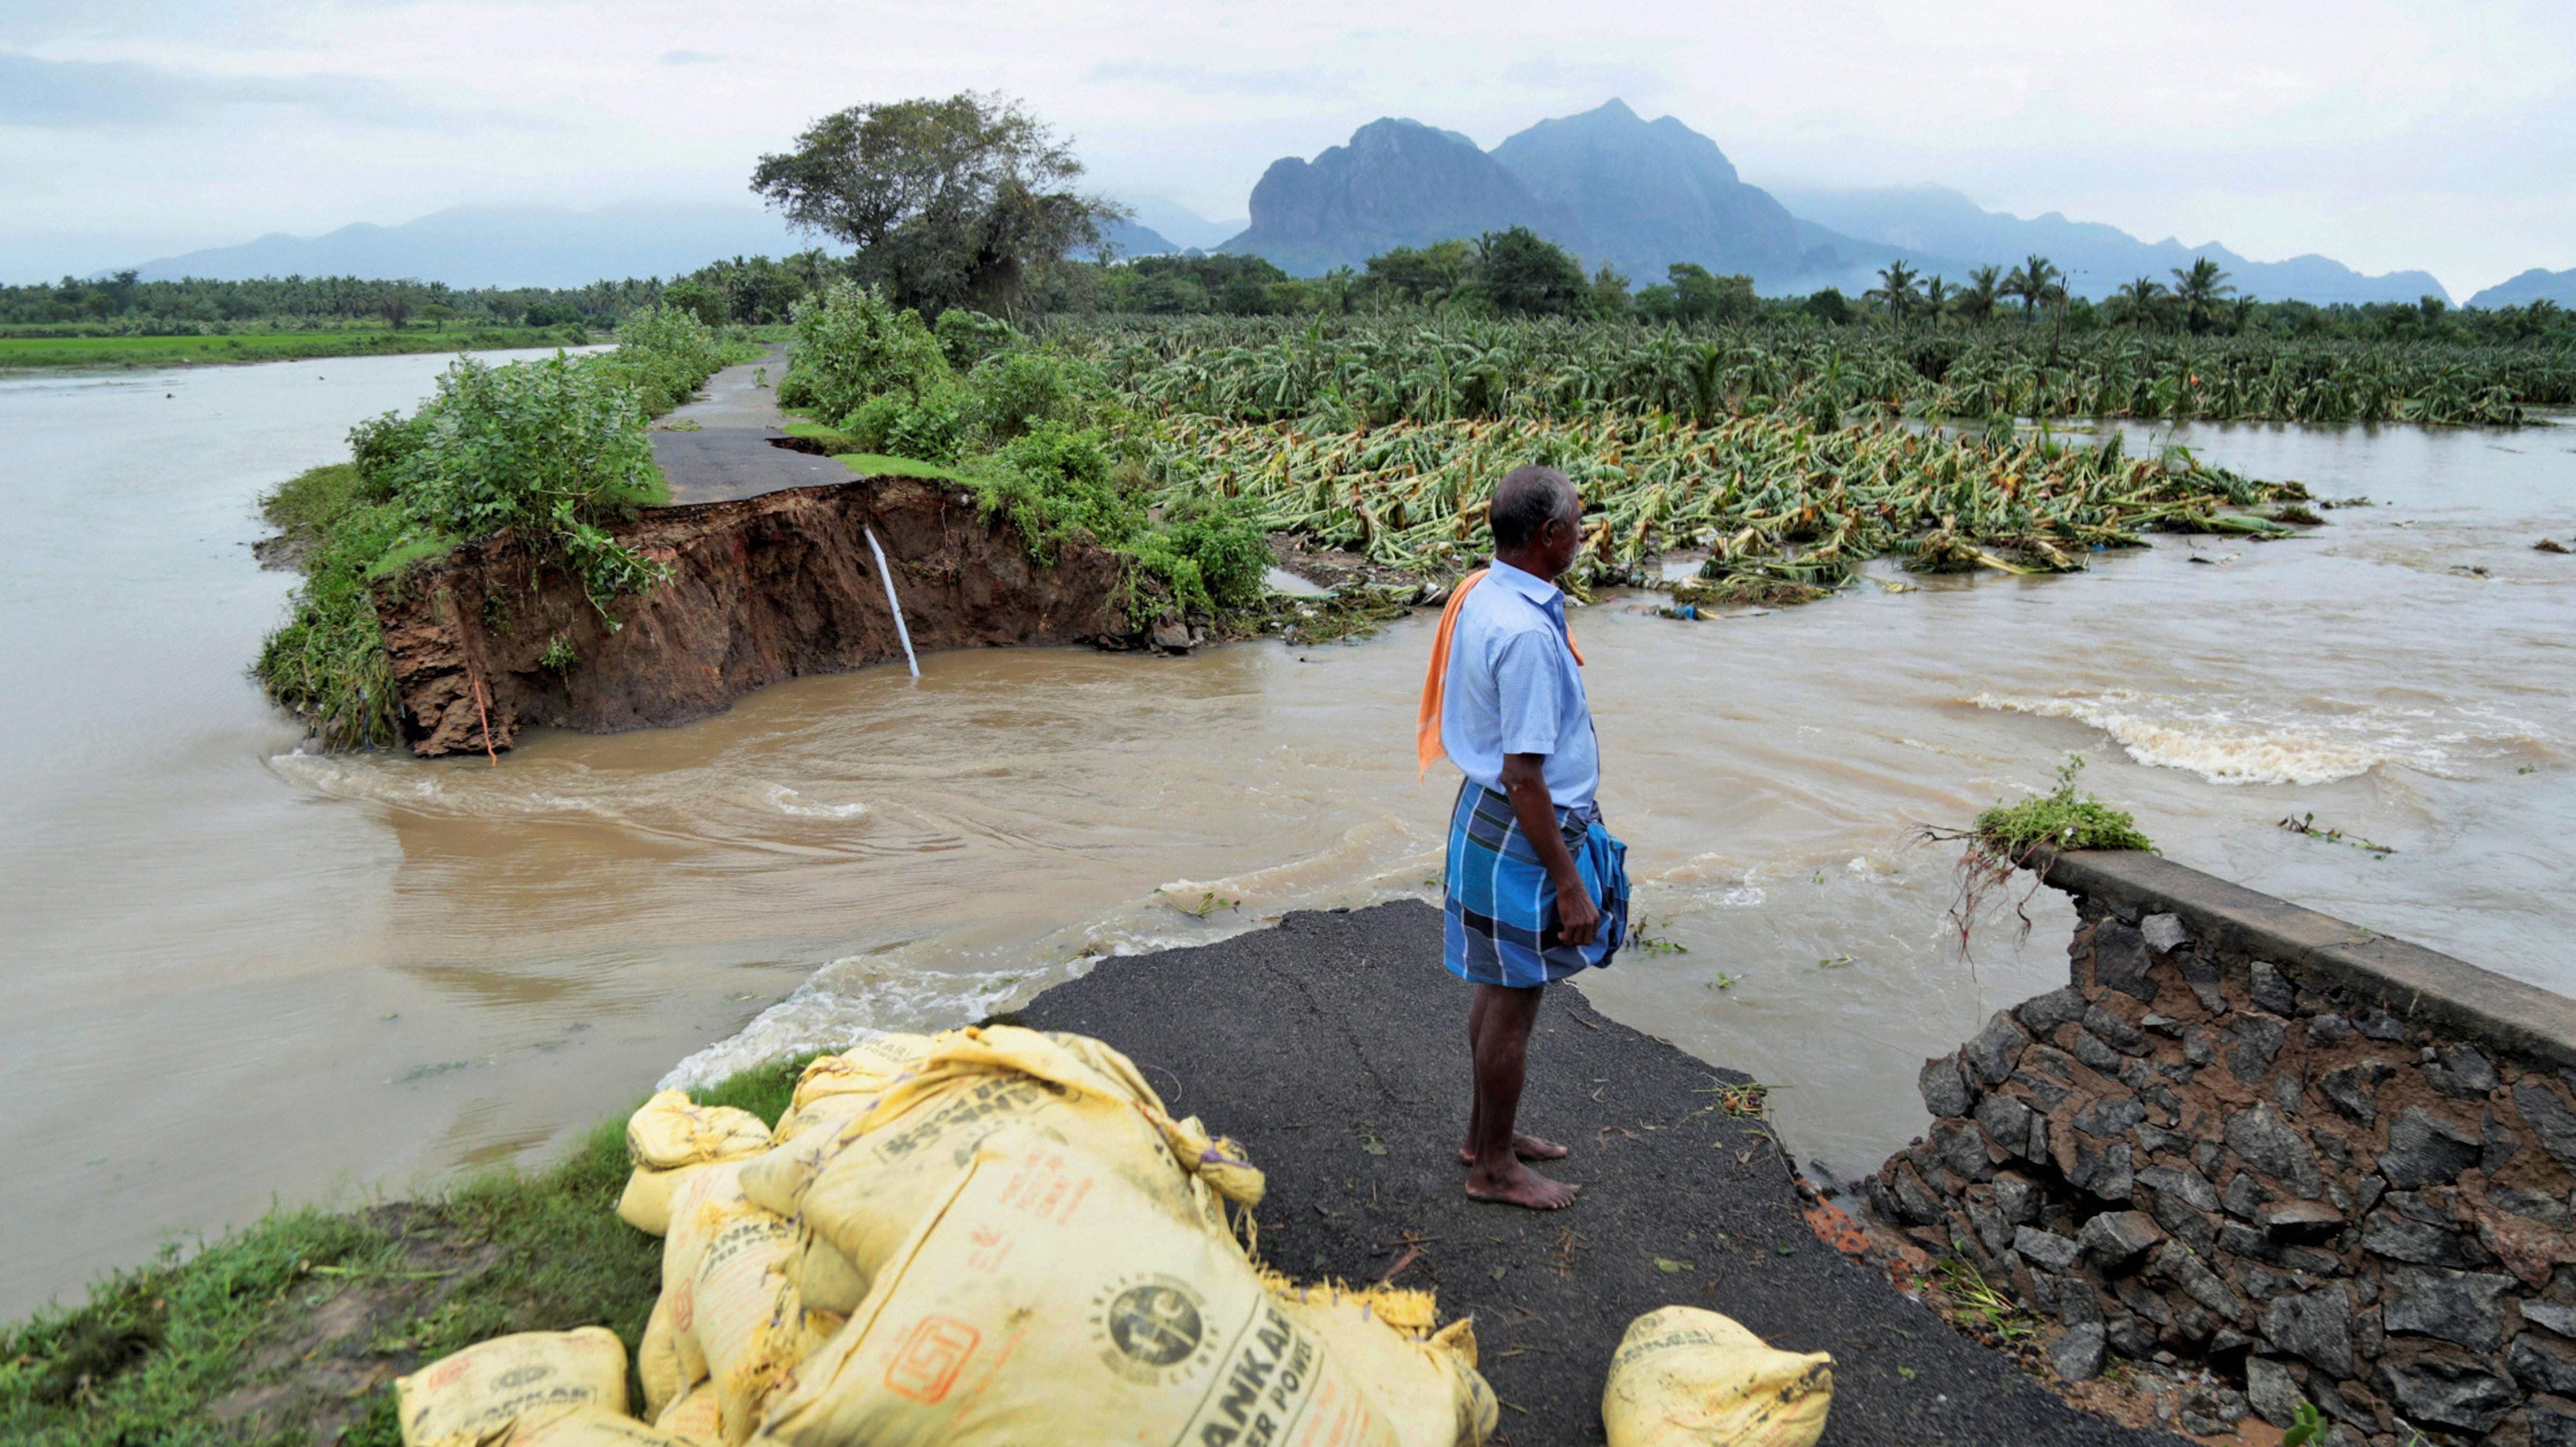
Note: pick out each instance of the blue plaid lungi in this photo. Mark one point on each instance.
(1500, 906)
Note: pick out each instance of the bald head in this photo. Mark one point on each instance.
(1528, 499)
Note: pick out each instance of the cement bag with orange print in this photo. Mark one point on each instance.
(1045, 1298)
(865, 1189)
(485, 1391)
(1683, 1377)
(668, 1139)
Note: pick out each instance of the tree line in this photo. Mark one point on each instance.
(122, 302)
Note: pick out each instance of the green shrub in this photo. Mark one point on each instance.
(697, 299)
(968, 337)
(928, 425)
(666, 354)
(1020, 389)
(380, 445)
(1229, 551)
(1054, 483)
(851, 345)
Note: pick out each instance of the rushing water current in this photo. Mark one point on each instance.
(233, 972)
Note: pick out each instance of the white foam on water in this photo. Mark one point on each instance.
(2227, 742)
(449, 789)
(851, 999)
(788, 801)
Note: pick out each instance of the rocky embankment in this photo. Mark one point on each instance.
(2327, 1164)
(491, 638)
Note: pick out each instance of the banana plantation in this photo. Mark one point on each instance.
(1336, 374)
(1785, 509)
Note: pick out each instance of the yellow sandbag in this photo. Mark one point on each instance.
(867, 1188)
(695, 1417)
(1044, 1298)
(528, 1378)
(1424, 1381)
(867, 1068)
(671, 1130)
(1100, 1056)
(823, 1276)
(666, 1140)
(645, 1204)
(592, 1427)
(1683, 1377)
(657, 1361)
(742, 1317)
(777, 1179)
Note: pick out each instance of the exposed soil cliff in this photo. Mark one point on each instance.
(489, 639)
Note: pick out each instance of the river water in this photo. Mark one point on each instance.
(234, 972)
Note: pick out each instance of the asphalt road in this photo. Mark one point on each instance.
(1334, 1048)
(721, 448)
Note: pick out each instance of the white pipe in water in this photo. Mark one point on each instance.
(888, 575)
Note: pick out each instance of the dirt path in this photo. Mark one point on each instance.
(717, 449)
(1334, 1048)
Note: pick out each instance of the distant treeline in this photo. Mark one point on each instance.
(123, 305)
(1502, 275)
(1514, 273)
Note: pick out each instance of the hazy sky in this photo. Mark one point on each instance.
(2386, 135)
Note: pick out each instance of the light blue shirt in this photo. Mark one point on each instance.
(1514, 688)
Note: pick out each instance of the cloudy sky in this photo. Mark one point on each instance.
(2386, 135)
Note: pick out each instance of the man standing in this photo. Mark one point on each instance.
(1537, 889)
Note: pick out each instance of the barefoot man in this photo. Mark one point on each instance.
(1537, 888)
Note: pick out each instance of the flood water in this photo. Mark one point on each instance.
(234, 973)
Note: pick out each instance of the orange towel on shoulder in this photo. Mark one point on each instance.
(1435, 680)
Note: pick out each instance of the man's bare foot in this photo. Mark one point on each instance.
(1518, 1185)
(1527, 1147)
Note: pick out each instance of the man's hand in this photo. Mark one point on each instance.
(1576, 915)
(1525, 785)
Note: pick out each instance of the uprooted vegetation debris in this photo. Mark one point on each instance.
(2021, 835)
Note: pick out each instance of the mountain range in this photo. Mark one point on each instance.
(1639, 195)
(476, 246)
(2533, 285)
(1607, 184)
(1929, 223)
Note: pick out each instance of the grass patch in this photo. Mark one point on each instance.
(878, 464)
(291, 1330)
(26, 353)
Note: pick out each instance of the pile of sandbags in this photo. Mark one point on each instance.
(990, 1236)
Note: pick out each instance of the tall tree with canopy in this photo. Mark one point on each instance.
(2038, 283)
(951, 202)
(2199, 292)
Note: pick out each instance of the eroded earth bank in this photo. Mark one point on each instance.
(491, 639)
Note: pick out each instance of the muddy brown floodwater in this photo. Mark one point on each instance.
(234, 971)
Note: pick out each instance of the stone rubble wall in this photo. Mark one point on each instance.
(2324, 1164)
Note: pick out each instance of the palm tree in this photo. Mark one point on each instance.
(2139, 298)
(1898, 288)
(1984, 284)
(1937, 297)
(2037, 282)
(2199, 291)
